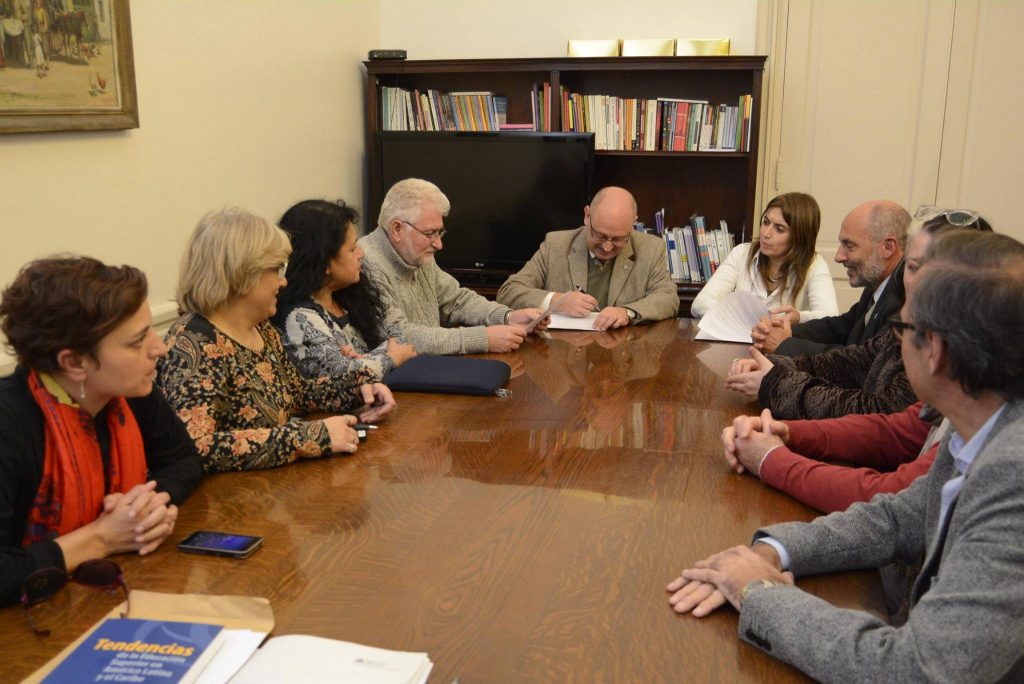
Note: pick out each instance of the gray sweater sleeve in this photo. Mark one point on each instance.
(436, 315)
(969, 622)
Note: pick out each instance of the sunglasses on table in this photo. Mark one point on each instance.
(46, 582)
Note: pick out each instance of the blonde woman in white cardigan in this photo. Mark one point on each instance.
(781, 267)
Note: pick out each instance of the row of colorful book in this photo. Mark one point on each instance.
(695, 252)
(432, 110)
(659, 124)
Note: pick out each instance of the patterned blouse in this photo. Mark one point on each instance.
(239, 405)
(313, 339)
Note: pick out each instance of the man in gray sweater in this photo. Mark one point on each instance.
(434, 312)
(960, 340)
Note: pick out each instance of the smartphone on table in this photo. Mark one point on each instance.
(221, 544)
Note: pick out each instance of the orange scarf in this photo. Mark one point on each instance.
(70, 495)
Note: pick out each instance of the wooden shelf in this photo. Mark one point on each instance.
(665, 153)
(717, 185)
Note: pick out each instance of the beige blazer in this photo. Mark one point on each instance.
(640, 278)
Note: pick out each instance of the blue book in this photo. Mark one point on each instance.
(139, 651)
(500, 110)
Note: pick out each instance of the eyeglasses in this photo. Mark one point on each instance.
(899, 326)
(438, 233)
(961, 218)
(601, 238)
(282, 268)
(46, 582)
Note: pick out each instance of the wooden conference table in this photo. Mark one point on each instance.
(519, 539)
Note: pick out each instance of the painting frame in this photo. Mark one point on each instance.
(122, 117)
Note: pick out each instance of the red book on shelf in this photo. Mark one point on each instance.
(679, 133)
(547, 106)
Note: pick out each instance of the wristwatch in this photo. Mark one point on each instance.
(755, 584)
(634, 317)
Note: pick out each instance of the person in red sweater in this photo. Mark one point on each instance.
(892, 450)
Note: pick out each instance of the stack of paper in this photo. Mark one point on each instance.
(298, 659)
(563, 322)
(732, 318)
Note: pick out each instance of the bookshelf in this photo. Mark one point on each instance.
(717, 185)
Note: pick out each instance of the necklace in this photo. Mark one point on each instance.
(332, 306)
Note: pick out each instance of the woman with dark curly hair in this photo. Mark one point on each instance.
(93, 460)
(332, 320)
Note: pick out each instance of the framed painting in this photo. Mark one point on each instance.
(66, 65)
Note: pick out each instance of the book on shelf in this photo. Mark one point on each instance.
(658, 124)
(695, 252)
(500, 110)
(432, 110)
(672, 255)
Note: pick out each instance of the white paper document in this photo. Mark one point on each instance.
(732, 317)
(563, 322)
(299, 659)
(238, 647)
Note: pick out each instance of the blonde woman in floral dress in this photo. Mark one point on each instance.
(227, 375)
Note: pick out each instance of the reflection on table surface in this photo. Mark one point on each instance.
(519, 539)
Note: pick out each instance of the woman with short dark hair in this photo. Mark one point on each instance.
(93, 460)
(332, 320)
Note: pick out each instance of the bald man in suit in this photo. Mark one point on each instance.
(604, 265)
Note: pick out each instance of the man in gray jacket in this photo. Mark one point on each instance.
(603, 266)
(960, 331)
(427, 304)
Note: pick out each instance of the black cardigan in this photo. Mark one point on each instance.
(171, 460)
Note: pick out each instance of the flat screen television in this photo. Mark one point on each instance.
(507, 190)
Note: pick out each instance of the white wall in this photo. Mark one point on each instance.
(982, 164)
(257, 104)
(451, 29)
(910, 101)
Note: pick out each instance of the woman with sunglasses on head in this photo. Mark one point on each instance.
(332, 320)
(781, 268)
(93, 460)
(858, 378)
(226, 373)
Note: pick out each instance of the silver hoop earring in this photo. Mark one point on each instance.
(81, 390)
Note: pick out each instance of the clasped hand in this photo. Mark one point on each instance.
(136, 520)
(769, 332)
(749, 438)
(719, 578)
(745, 375)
